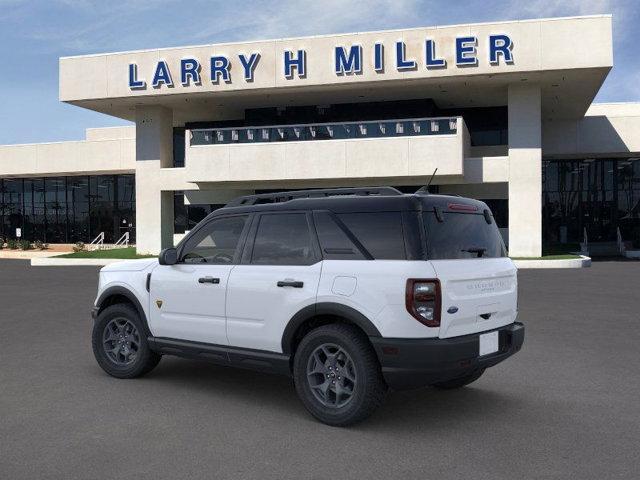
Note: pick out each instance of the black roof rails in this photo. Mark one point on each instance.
(278, 197)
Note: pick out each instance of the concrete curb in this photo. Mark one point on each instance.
(582, 262)
(72, 262)
(27, 255)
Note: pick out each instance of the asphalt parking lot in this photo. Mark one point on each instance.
(567, 406)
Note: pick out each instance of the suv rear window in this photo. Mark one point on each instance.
(379, 232)
(462, 235)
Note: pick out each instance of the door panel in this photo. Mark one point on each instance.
(193, 302)
(258, 310)
(187, 300)
(279, 277)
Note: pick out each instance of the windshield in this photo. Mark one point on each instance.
(462, 235)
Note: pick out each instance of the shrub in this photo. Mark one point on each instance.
(38, 244)
(25, 245)
(12, 244)
(1, 243)
(79, 247)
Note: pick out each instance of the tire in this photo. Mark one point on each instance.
(125, 326)
(459, 382)
(360, 378)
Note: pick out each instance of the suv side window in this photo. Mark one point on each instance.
(283, 239)
(216, 243)
(334, 242)
(380, 232)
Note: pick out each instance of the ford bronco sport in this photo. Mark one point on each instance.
(349, 291)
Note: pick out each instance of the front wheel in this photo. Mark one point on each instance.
(337, 375)
(120, 344)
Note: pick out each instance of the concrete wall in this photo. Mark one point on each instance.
(330, 159)
(485, 170)
(550, 44)
(111, 133)
(606, 130)
(103, 152)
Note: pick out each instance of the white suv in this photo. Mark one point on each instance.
(349, 291)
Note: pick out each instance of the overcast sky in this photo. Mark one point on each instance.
(34, 33)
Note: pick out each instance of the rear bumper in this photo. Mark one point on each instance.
(411, 363)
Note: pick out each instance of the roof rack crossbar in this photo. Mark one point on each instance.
(278, 197)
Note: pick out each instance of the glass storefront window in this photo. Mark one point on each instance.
(77, 189)
(126, 189)
(596, 195)
(68, 209)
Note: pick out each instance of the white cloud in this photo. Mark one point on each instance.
(554, 8)
(308, 17)
(100, 25)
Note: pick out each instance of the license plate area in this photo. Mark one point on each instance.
(489, 343)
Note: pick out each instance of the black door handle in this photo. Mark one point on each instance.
(290, 283)
(215, 281)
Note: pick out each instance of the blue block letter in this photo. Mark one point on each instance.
(220, 68)
(348, 64)
(466, 51)
(134, 83)
(378, 57)
(401, 62)
(431, 60)
(189, 71)
(249, 65)
(299, 64)
(162, 75)
(500, 45)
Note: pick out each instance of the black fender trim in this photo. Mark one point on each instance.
(326, 308)
(117, 290)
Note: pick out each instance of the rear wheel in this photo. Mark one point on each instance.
(459, 382)
(337, 375)
(120, 344)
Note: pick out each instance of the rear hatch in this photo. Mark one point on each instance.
(478, 281)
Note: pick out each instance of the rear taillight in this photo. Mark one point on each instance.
(423, 301)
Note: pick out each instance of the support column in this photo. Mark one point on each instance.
(154, 207)
(525, 171)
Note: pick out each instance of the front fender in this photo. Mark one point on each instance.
(128, 292)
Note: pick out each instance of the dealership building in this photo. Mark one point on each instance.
(499, 111)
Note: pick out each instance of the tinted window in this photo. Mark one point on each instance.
(216, 243)
(334, 242)
(380, 233)
(462, 235)
(283, 239)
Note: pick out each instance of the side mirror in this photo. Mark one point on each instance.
(168, 256)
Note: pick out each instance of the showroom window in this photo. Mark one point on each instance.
(68, 209)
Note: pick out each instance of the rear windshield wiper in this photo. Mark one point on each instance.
(477, 250)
